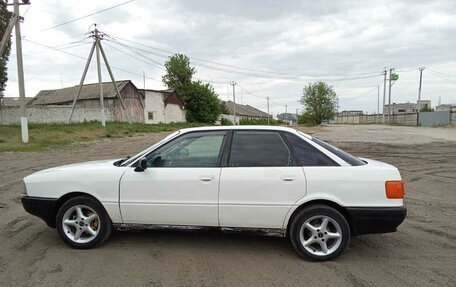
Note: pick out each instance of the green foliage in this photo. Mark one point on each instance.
(201, 101)
(319, 101)
(225, 122)
(47, 136)
(305, 119)
(248, 122)
(179, 73)
(5, 16)
(426, 109)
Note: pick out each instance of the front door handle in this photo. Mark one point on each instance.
(206, 178)
(288, 178)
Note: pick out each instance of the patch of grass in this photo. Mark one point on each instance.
(49, 136)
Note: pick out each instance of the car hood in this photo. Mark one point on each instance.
(80, 166)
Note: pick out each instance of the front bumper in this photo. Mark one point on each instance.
(368, 220)
(44, 208)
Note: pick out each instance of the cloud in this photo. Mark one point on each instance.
(295, 37)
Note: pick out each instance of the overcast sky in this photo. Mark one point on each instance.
(274, 48)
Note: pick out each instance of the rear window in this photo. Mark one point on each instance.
(307, 154)
(350, 159)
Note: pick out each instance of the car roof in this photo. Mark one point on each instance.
(244, 127)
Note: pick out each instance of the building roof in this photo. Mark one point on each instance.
(244, 110)
(88, 92)
(13, 101)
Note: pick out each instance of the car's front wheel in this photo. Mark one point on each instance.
(83, 223)
(319, 233)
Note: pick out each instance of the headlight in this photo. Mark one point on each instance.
(24, 189)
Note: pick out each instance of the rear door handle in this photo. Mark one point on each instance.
(206, 178)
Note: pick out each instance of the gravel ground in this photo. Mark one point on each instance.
(421, 253)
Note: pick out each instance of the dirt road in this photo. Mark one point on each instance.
(422, 253)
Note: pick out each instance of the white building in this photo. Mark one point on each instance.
(163, 106)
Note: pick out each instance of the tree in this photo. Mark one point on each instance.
(5, 16)
(178, 72)
(201, 101)
(426, 109)
(319, 101)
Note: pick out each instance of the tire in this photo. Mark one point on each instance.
(94, 228)
(309, 235)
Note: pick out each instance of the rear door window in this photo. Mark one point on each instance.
(259, 149)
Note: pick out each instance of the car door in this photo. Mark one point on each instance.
(260, 182)
(180, 184)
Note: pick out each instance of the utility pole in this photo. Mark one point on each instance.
(267, 99)
(233, 83)
(296, 116)
(20, 73)
(419, 89)
(286, 114)
(144, 80)
(97, 45)
(384, 95)
(389, 93)
(100, 82)
(378, 102)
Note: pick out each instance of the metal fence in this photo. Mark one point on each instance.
(434, 119)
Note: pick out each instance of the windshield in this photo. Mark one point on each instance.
(144, 152)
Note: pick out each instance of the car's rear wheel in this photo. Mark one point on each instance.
(319, 233)
(83, 223)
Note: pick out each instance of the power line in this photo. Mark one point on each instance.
(288, 75)
(156, 64)
(83, 58)
(441, 77)
(152, 63)
(85, 16)
(443, 74)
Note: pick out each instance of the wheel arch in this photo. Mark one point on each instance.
(326, 202)
(64, 198)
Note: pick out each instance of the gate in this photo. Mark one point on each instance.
(434, 119)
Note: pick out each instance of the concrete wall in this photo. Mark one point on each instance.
(360, 119)
(411, 119)
(154, 103)
(53, 114)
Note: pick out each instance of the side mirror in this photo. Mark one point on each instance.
(142, 165)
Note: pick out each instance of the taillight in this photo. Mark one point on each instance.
(394, 189)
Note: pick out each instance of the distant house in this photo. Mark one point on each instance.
(407, 108)
(445, 107)
(242, 112)
(163, 106)
(90, 98)
(287, 117)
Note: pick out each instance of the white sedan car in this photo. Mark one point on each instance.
(275, 180)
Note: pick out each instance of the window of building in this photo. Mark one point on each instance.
(150, 115)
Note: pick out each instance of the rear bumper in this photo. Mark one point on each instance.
(44, 208)
(368, 220)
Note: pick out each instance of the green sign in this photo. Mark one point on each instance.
(394, 77)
